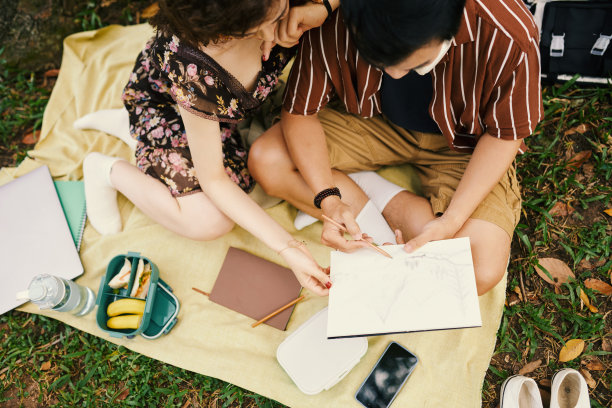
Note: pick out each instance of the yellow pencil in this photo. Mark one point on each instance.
(271, 315)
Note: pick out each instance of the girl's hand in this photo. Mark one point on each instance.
(289, 29)
(310, 275)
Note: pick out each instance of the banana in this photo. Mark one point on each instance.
(130, 321)
(124, 306)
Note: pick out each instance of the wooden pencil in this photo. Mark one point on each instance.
(343, 228)
(271, 315)
(201, 291)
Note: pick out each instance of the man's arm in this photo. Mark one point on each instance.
(490, 161)
(305, 141)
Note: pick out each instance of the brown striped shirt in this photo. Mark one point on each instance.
(489, 80)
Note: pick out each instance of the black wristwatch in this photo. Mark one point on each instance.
(327, 6)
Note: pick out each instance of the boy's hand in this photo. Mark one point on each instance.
(333, 233)
(434, 230)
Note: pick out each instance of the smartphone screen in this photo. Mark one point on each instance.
(387, 377)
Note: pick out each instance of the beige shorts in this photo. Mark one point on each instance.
(357, 144)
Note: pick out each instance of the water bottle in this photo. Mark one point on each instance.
(62, 295)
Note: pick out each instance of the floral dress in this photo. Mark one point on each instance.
(167, 74)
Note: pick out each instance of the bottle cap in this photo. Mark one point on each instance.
(37, 292)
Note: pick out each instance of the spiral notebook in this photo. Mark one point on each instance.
(72, 198)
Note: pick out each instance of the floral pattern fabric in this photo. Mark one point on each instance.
(168, 74)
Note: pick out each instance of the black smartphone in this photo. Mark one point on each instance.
(384, 382)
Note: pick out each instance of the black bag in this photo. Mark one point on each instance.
(575, 39)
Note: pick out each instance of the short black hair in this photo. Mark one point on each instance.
(387, 31)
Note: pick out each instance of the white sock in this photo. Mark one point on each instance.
(377, 188)
(371, 222)
(302, 220)
(100, 195)
(115, 122)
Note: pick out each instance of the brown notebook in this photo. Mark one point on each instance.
(255, 287)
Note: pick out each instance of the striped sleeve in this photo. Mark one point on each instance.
(309, 87)
(515, 106)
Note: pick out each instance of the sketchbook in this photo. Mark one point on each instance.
(34, 235)
(72, 198)
(433, 288)
(255, 287)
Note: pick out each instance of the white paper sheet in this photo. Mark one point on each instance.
(431, 289)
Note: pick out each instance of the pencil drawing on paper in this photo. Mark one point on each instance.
(427, 288)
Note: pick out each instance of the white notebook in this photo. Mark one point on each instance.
(34, 235)
(433, 288)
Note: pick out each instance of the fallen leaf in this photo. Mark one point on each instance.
(559, 100)
(588, 378)
(595, 365)
(561, 209)
(578, 159)
(608, 211)
(599, 286)
(517, 290)
(588, 169)
(123, 395)
(31, 138)
(52, 73)
(106, 3)
(45, 366)
(581, 128)
(150, 11)
(530, 367)
(545, 382)
(606, 345)
(584, 264)
(572, 349)
(585, 299)
(512, 300)
(558, 270)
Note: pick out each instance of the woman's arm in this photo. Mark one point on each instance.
(206, 151)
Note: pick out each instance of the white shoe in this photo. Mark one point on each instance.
(520, 392)
(569, 390)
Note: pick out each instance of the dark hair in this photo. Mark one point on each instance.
(199, 22)
(387, 31)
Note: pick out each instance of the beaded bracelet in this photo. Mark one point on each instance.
(294, 243)
(324, 194)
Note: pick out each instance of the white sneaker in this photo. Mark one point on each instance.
(520, 392)
(569, 390)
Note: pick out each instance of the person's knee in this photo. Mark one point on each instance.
(207, 229)
(266, 164)
(490, 246)
(487, 277)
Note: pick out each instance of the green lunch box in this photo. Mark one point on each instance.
(161, 307)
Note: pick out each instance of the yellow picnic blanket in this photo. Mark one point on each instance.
(208, 338)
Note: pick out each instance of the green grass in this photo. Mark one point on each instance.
(537, 326)
(86, 370)
(22, 103)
